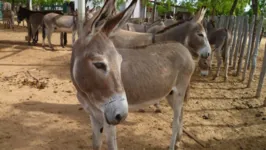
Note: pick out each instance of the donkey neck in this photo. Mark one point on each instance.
(176, 33)
(27, 13)
(210, 29)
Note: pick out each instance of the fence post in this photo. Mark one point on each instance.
(255, 54)
(228, 20)
(236, 26)
(223, 21)
(231, 25)
(239, 39)
(262, 74)
(243, 47)
(251, 28)
(220, 22)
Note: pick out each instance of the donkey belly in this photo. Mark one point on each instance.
(141, 104)
(62, 29)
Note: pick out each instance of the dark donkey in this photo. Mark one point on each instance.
(35, 21)
(221, 39)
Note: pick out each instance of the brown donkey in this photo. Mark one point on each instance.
(148, 74)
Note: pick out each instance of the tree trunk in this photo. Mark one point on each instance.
(233, 7)
(255, 12)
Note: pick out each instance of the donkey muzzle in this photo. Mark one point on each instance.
(116, 109)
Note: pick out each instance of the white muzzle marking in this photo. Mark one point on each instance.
(204, 72)
(116, 109)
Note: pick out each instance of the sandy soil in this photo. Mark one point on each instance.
(39, 109)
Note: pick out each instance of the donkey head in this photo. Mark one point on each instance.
(196, 38)
(96, 65)
(204, 65)
(22, 14)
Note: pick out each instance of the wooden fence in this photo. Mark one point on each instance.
(241, 54)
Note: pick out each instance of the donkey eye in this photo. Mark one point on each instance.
(100, 65)
(200, 34)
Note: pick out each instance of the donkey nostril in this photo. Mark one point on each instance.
(118, 117)
(208, 54)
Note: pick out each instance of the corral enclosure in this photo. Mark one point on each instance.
(39, 108)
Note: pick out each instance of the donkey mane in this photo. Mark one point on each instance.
(24, 9)
(173, 25)
(139, 47)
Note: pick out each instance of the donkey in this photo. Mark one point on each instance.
(148, 74)
(190, 33)
(63, 23)
(169, 22)
(143, 27)
(34, 21)
(8, 19)
(155, 28)
(6, 6)
(221, 38)
(8, 15)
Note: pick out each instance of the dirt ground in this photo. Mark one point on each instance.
(39, 109)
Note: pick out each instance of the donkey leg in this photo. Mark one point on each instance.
(176, 99)
(97, 122)
(44, 34)
(110, 132)
(97, 129)
(73, 37)
(49, 36)
(29, 32)
(65, 38)
(219, 62)
(61, 39)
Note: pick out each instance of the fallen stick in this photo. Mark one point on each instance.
(194, 138)
(32, 76)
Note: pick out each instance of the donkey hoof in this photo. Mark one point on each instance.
(142, 110)
(158, 111)
(214, 78)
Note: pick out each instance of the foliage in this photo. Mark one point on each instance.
(165, 7)
(38, 2)
(96, 3)
(221, 7)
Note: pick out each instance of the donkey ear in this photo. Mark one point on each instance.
(115, 23)
(100, 19)
(200, 15)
